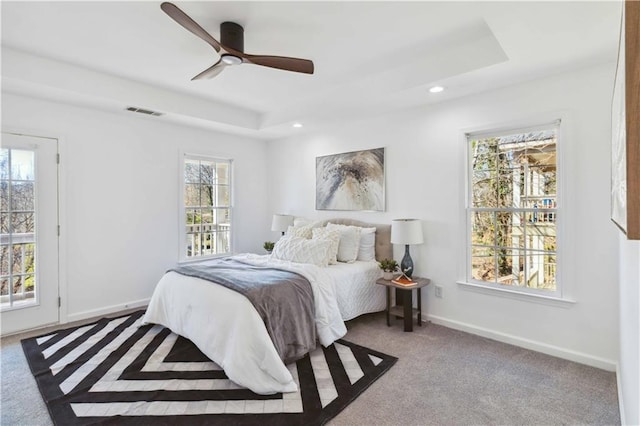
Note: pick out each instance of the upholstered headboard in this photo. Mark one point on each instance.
(384, 249)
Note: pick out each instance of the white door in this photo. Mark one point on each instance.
(28, 232)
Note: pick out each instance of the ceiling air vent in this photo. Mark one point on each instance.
(144, 111)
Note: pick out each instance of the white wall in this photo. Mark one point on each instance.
(425, 179)
(121, 197)
(629, 366)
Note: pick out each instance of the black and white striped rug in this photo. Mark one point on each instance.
(114, 371)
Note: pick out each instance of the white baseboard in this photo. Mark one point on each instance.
(107, 310)
(544, 348)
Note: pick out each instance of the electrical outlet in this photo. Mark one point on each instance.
(439, 291)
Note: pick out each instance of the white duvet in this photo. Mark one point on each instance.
(356, 288)
(225, 326)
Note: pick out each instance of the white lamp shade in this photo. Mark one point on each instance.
(281, 222)
(406, 231)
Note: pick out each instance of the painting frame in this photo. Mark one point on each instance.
(625, 154)
(351, 181)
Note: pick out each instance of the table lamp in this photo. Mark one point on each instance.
(406, 231)
(281, 222)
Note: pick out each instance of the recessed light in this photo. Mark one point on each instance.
(436, 89)
(297, 125)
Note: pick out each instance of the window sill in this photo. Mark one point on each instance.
(517, 295)
(202, 258)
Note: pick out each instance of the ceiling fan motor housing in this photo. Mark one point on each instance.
(232, 36)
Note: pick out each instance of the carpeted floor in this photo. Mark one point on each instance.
(442, 376)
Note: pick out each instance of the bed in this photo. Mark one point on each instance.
(227, 328)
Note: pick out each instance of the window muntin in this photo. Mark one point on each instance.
(206, 207)
(512, 213)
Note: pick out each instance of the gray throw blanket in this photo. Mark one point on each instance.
(283, 299)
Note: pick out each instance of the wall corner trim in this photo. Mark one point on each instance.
(620, 395)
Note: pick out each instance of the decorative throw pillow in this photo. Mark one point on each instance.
(303, 230)
(332, 235)
(302, 250)
(299, 231)
(349, 242)
(367, 249)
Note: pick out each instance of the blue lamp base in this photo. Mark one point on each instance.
(406, 265)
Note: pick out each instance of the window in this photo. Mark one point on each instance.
(512, 209)
(18, 233)
(207, 207)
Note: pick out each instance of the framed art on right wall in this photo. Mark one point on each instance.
(625, 156)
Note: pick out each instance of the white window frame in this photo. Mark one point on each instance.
(522, 293)
(182, 256)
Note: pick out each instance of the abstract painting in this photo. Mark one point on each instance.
(351, 181)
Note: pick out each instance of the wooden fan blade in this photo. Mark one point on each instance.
(189, 24)
(281, 62)
(211, 72)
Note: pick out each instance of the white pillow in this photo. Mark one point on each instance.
(299, 231)
(303, 229)
(349, 242)
(302, 250)
(367, 249)
(332, 235)
(301, 221)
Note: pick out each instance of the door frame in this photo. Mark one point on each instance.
(62, 212)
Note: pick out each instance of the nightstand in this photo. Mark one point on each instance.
(405, 311)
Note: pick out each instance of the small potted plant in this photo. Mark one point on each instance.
(268, 246)
(388, 266)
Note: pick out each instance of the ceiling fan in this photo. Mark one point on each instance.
(231, 47)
